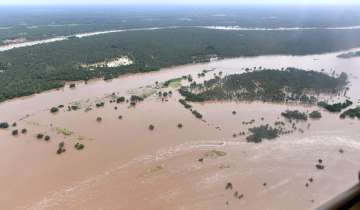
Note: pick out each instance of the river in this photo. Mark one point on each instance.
(126, 166)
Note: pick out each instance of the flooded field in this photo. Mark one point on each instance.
(199, 165)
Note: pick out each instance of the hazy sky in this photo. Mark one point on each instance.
(306, 2)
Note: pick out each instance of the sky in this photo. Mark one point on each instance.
(169, 2)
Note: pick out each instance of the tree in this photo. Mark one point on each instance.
(315, 115)
(54, 110)
(4, 125)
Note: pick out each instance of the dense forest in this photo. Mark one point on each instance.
(35, 23)
(29, 70)
(289, 85)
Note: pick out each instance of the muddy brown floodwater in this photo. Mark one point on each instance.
(124, 165)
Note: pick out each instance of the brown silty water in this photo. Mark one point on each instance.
(124, 165)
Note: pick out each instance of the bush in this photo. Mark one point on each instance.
(335, 107)
(179, 125)
(151, 127)
(4, 125)
(120, 117)
(40, 136)
(315, 115)
(100, 104)
(24, 130)
(296, 115)
(61, 148)
(135, 98)
(54, 110)
(120, 99)
(15, 132)
(47, 138)
(98, 119)
(262, 132)
(196, 114)
(185, 104)
(79, 146)
(72, 85)
(352, 113)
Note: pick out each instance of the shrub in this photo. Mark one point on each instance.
(72, 85)
(315, 115)
(184, 103)
(14, 124)
(179, 125)
(47, 138)
(121, 99)
(15, 132)
(61, 148)
(151, 127)
(4, 125)
(98, 119)
(100, 104)
(136, 98)
(79, 146)
(296, 115)
(61, 144)
(120, 117)
(24, 130)
(352, 113)
(262, 132)
(54, 110)
(197, 114)
(40, 136)
(335, 107)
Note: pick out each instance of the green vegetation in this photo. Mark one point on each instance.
(79, 146)
(294, 115)
(38, 68)
(61, 148)
(337, 107)
(54, 110)
(315, 115)
(185, 104)
(15, 132)
(4, 125)
(63, 131)
(121, 99)
(262, 132)
(176, 82)
(135, 98)
(197, 114)
(290, 85)
(100, 104)
(352, 113)
(349, 55)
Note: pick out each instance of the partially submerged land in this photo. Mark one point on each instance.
(29, 70)
(349, 55)
(288, 85)
(82, 142)
(154, 135)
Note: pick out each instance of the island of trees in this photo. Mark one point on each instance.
(268, 85)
